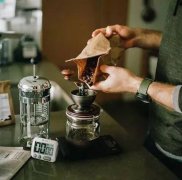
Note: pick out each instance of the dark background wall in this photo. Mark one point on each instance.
(67, 24)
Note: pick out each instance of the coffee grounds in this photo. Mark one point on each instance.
(88, 73)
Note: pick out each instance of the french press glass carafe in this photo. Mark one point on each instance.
(34, 96)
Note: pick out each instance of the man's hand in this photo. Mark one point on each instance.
(118, 80)
(122, 80)
(133, 37)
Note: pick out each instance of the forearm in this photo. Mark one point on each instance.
(162, 94)
(148, 39)
(159, 92)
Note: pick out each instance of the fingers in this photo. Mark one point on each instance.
(97, 87)
(100, 86)
(97, 31)
(108, 31)
(123, 31)
(103, 85)
(106, 69)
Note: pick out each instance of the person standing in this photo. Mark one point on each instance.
(165, 92)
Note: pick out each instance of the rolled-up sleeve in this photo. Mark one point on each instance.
(177, 98)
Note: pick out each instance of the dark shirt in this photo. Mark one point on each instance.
(180, 99)
(166, 125)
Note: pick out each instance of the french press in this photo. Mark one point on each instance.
(34, 97)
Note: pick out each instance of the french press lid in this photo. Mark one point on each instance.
(34, 84)
(34, 89)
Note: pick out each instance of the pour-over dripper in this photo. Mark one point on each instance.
(83, 101)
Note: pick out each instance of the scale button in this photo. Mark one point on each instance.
(39, 156)
(46, 158)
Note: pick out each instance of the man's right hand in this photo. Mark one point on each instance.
(118, 80)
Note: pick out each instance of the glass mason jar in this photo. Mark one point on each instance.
(82, 126)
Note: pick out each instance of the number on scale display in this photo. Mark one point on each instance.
(43, 148)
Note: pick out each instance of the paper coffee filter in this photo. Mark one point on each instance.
(99, 50)
(97, 46)
(81, 64)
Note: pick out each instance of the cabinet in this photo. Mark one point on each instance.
(68, 24)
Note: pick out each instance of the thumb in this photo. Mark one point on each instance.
(99, 86)
(106, 69)
(109, 31)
